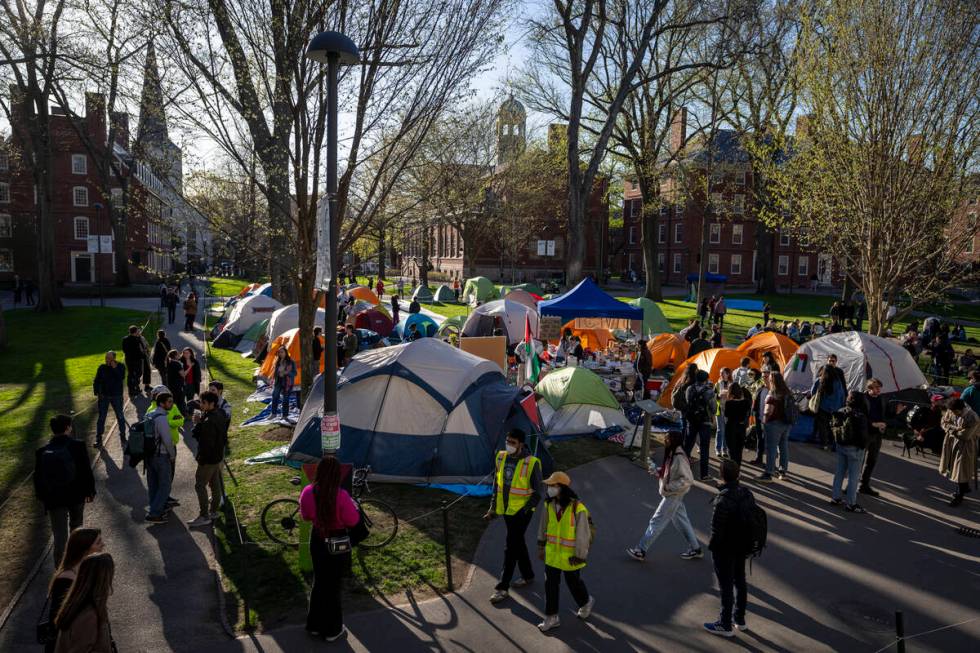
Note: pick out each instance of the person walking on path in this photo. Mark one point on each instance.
(192, 374)
(564, 538)
(874, 408)
(132, 347)
(190, 311)
(63, 481)
(160, 349)
(108, 389)
(516, 493)
(283, 378)
(720, 309)
(379, 288)
(676, 480)
(721, 392)
(826, 398)
(332, 512)
(171, 304)
(210, 429)
(82, 543)
(83, 622)
(850, 428)
(701, 407)
(959, 457)
(777, 423)
(737, 408)
(729, 549)
(395, 308)
(159, 471)
(175, 380)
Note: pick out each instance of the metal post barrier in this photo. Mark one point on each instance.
(900, 631)
(445, 538)
(245, 577)
(645, 446)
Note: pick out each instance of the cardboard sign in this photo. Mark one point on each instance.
(607, 323)
(549, 327)
(491, 348)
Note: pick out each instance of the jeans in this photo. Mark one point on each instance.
(158, 481)
(134, 374)
(171, 314)
(874, 447)
(117, 407)
(701, 433)
(735, 440)
(671, 509)
(777, 438)
(552, 584)
(279, 393)
(760, 441)
(515, 551)
(64, 520)
(719, 434)
(849, 460)
(189, 321)
(326, 614)
(730, 570)
(208, 475)
(821, 426)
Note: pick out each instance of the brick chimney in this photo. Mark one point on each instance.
(95, 117)
(119, 124)
(678, 130)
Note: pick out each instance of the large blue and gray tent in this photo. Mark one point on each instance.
(424, 324)
(421, 412)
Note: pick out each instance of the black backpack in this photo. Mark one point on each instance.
(141, 445)
(755, 526)
(697, 408)
(791, 410)
(57, 473)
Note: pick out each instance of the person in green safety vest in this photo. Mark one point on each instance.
(516, 493)
(175, 419)
(564, 538)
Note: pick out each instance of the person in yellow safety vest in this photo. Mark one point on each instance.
(516, 493)
(563, 543)
(176, 420)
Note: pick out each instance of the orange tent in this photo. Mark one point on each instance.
(290, 340)
(668, 349)
(364, 294)
(711, 361)
(781, 347)
(594, 339)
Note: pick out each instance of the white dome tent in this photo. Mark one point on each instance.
(287, 318)
(250, 310)
(511, 316)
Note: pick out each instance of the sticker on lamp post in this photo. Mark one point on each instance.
(330, 432)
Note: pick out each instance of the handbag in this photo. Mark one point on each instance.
(46, 631)
(814, 403)
(338, 544)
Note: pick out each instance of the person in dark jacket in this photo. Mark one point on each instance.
(132, 346)
(160, 350)
(728, 546)
(850, 428)
(63, 481)
(108, 388)
(414, 306)
(699, 345)
(644, 366)
(171, 303)
(317, 348)
(737, 408)
(175, 380)
(874, 408)
(210, 431)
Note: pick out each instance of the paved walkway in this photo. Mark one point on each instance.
(828, 581)
(165, 595)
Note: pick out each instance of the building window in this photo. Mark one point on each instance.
(712, 263)
(80, 196)
(783, 268)
(678, 233)
(677, 263)
(117, 198)
(783, 239)
(736, 264)
(661, 259)
(714, 233)
(740, 177)
(969, 247)
(803, 266)
(636, 208)
(632, 235)
(4, 192)
(662, 233)
(664, 211)
(716, 202)
(717, 177)
(6, 260)
(4, 162)
(737, 234)
(81, 228)
(79, 164)
(739, 208)
(6, 230)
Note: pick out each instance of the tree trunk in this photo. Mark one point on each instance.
(48, 299)
(279, 222)
(575, 254)
(847, 291)
(3, 330)
(765, 280)
(424, 259)
(381, 254)
(649, 230)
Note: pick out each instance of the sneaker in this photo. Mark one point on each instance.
(718, 628)
(550, 622)
(498, 596)
(744, 627)
(693, 554)
(202, 520)
(836, 502)
(156, 519)
(764, 477)
(586, 610)
(956, 500)
(334, 638)
(867, 489)
(522, 582)
(97, 444)
(172, 503)
(781, 475)
(636, 554)
(855, 508)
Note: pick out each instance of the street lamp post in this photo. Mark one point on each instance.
(334, 49)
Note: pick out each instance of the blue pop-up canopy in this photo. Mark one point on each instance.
(588, 300)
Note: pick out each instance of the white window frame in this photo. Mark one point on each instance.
(9, 257)
(737, 234)
(661, 262)
(79, 220)
(79, 164)
(4, 192)
(636, 208)
(735, 267)
(969, 246)
(679, 232)
(782, 269)
(6, 226)
(714, 233)
(717, 177)
(4, 161)
(662, 233)
(75, 195)
(714, 262)
(803, 266)
(739, 205)
(784, 239)
(740, 178)
(717, 201)
(678, 262)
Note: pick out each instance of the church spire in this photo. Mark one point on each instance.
(153, 119)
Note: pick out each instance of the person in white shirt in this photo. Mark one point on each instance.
(753, 331)
(741, 375)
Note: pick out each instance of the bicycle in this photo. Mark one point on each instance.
(281, 523)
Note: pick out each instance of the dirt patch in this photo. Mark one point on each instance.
(277, 434)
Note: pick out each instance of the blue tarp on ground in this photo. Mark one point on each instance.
(708, 278)
(589, 300)
(745, 304)
(802, 431)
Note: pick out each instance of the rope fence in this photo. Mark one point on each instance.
(901, 637)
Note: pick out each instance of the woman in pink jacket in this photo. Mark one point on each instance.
(332, 512)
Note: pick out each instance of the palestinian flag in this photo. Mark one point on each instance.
(531, 357)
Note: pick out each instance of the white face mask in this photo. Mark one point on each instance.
(553, 491)
(511, 449)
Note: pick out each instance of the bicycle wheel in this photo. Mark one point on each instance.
(279, 521)
(381, 520)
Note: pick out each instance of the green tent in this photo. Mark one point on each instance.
(575, 385)
(445, 295)
(532, 288)
(423, 294)
(256, 330)
(479, 288)
(452, 324)
(654, 321)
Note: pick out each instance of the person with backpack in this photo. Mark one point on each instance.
(157, 461)
(676, 480)
(738, 530)
(83, 622)
(175, 380)
(516, 494)
(564, 538)
(175, 419)
(108, 389)
(63, 481)
(874, 408)
(210, 429)
(160, 349)
(779, 416)
(850, 429)
(699, 413)
(678, 396)
(82, 543)
(737, 408)
(827, 397)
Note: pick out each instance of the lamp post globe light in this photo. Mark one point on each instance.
(334, 49)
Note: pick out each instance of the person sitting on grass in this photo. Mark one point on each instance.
(968, 362)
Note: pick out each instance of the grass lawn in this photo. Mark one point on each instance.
(47, 369)
(227, 286)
